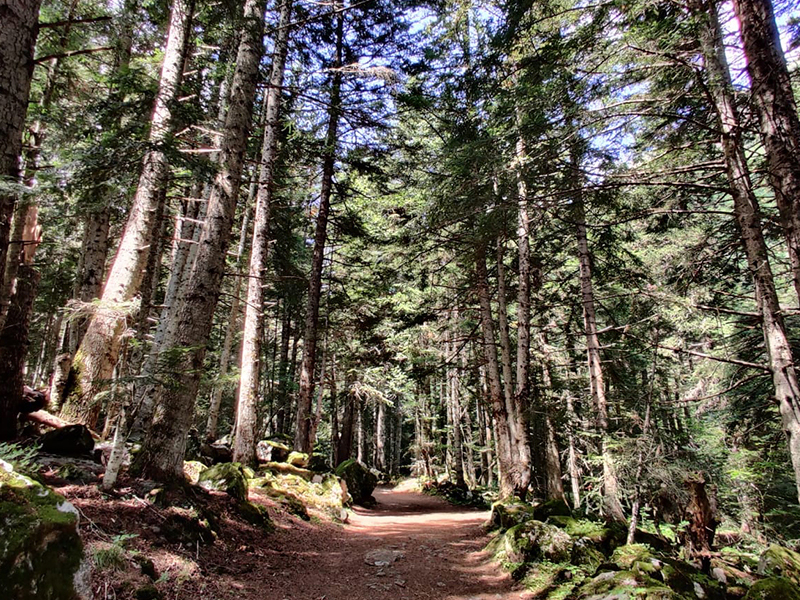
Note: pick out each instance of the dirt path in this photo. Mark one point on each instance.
(409, 546)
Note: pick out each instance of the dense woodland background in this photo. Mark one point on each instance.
(552, 247)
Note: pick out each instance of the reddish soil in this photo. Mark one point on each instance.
(423, 546)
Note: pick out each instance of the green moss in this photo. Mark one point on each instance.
(40, 550)
(625, 556)
(255, 514)
(774, 588)
(626, 585)
(542, 577)
(552, 508)
(779, 561)
(360, 481)
(298, 459)
(228, 477)
(508, 513)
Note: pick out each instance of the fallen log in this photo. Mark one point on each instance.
(42, 417)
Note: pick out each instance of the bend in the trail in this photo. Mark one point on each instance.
(408, 546)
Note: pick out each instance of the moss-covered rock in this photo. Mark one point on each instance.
(272, 451)
(626, 555)
(186, 526)
(287, 469)
(41, 555)
(319, 464)
(586, 555)
(192, 469)
(604, 538)
(690, 581)
(298, 459)
(774, 588)
(625, 585)
(360, 482)
(255, 514)
(552, 508)
(507, 513)
(547, 579)
(228, 477)
(534, 540)
(777, 561)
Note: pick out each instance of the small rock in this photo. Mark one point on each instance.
(382, 557)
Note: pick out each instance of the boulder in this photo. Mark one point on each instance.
(192, 469)
(319, 464)
(779, 561)
(534, 540)
(774, 588)
(298, 459)
(507, 513)
(41, 555)
(255, 514)
(227, 477)
(625, 585)
(552, 508)
(360, 482)
(272, 451)
(72, 440)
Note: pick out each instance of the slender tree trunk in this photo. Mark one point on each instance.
(284, 403)
(512, 481)
(302, 439)
(454, 400)
(748, 217)
(572, 457)
(234, 327)
(505, 343)
(163, 451)
(99, 350)
(771, 90)
(244, 446)
(345, 447)
(611, 504)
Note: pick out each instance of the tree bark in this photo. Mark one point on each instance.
(302, 439)
(164, 447)
(512, 481)
(771, 90)
(18, 31)
(244, 446)
(611, 504)
(14, 335)
(99, 349)
(748, 217)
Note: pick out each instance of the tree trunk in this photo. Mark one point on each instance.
(244, 446)
(345, 446)
(522, 390)
(99, 349)
(572, 457)
(748, 217)
(454, 400)
(771, 90)
(512, 481)
(163, 451)
(14, 335)
(611, 504)
(302, 439)
(505, 343)
(18, 31)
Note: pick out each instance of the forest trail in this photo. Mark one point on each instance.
(408, 546)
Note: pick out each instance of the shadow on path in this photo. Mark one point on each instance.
(408, 546)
